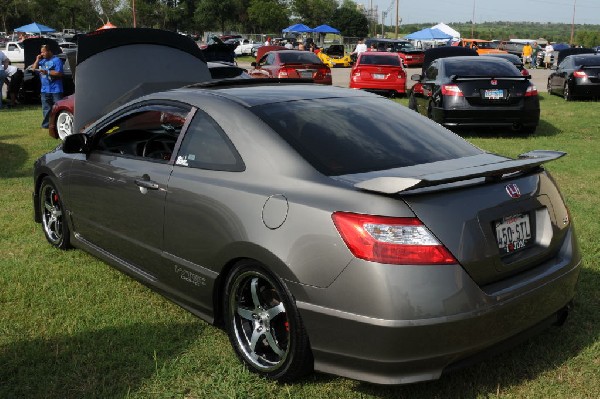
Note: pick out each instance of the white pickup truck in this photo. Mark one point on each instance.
(14, 51)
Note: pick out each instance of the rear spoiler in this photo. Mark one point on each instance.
(495, 171)
(456, 78)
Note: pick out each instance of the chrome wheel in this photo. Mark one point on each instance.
(64, 124)
(53, 218)
(264, 325)
(567, 93)
(259, 321)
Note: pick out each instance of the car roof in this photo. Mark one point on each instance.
(256, 92)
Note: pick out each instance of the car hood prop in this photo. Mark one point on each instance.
(494, 171)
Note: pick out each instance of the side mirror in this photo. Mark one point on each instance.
(75, 144)
(416, 77)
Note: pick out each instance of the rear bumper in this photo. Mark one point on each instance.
(418, 344)
(504, 116)
(379, 86)
(586, 89)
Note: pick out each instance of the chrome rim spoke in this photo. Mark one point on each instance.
(274, 344)
(275, 310)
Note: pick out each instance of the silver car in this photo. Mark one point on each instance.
(325, 228)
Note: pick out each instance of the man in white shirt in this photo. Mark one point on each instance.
(360, 47)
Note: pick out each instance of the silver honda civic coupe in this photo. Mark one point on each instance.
(324, 228)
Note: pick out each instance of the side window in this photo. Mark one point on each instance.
(150, 133)
(206, 146)
(432, 71)
(270, 60)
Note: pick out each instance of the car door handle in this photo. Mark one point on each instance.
(149, 184)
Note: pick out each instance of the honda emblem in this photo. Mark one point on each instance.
(513, 190)
(494, 82)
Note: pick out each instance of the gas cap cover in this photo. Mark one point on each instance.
(275, 211)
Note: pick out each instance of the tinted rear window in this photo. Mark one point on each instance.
(480, 67)
(339, 136)
(379, 60)
(587, 61)
(299, 57)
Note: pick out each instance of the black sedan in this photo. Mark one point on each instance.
(324, 228)
(577, 76)
(476, 91)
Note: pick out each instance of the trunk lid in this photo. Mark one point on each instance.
(467, 202)
(501, 91)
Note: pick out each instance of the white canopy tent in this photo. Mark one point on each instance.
(446, 29)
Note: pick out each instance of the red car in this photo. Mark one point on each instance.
(61, 118)
(291, 64)
(380, 72)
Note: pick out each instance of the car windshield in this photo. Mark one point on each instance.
(299, 57)
(403, 46)
(486, 45)
(370, 59)
(339, 136)
(480, 67)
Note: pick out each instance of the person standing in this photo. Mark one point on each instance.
(50, 69)
(3, 65)
(534, 55)
(14, 79)
(526, 54)
(548, 55)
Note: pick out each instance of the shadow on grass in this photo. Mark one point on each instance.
(544, 129)
(527, 361)
(12, 159)
(106, 363)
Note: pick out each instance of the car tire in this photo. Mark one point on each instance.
(528, 130)
(263, 324)
(567, 93)
(64, 124)
(54, 221)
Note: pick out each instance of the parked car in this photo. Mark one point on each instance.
(577, 76)
(60, 123)
(483, 47)
(469, 91)
(515, 60)
(291, 64)
(217, 50)
(411, 56)
(379, 72)
(324, 228)
(335, 56)
(515, 48)
(247, 47)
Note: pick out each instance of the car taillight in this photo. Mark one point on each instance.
(325, 72)
(283, 73)
(401, 74)
(531, 91)
(400, 241)
(451, 90)
(579, 74)
(524, 72)
(356, 72)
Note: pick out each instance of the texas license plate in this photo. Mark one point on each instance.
(494, 94)
(513, 232)
(378, 76)
(306, 74)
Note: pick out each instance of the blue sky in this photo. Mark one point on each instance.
(412, 11)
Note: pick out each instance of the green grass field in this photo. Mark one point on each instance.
(72, 327)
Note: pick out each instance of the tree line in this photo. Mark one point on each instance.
(256, 16)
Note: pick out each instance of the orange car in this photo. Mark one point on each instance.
(482, 47)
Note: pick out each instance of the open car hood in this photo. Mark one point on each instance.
(32, 48)
(115, 66)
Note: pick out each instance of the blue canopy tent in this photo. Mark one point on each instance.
(325, 29)
(300, 28)
(428, 34)
(34, 27)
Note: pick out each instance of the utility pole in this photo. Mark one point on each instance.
(133, 11)
(573, 23)
(397, 1)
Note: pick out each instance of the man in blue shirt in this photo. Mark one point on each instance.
(50, 69)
